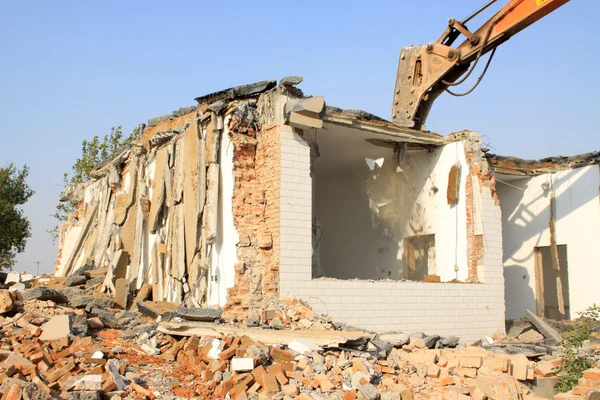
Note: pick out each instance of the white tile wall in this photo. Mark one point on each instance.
(466, 310)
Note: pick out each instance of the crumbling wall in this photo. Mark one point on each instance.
(256, 214)
(134, 213)
(191, 208)
(480, 185)
(68, 235)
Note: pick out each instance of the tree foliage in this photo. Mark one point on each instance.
(14, 226)
(575, 358)
(93, 152)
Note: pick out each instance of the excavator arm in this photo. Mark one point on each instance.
(426, 71)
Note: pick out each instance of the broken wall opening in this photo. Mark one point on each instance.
(373, 197)
(351, 241)
(547, 282)
(419, 257)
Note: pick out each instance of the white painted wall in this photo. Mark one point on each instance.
(69, 240)
(432, 213)
(525, 219)
(224, 254)
(366, 214)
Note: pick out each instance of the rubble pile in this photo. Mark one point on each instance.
(241, 367)
(66, 340)
(289, 313)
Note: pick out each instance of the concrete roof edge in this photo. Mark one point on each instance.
(518, 166)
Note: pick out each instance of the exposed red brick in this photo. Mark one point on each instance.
(256, 161)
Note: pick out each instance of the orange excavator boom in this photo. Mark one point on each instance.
(425, 72)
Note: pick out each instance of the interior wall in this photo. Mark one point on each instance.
(365, 214)
(351, 245)
(525, 208)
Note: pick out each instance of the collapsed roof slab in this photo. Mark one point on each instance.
(380, 129)
(521, 167)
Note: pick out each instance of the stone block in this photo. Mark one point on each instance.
(13, 277)
(291, 80)
(44, 293)
(76, 280)
(471, 362)
(6, 302)
(57, 328)
(542, 326)
(530, 336)
(122, 293)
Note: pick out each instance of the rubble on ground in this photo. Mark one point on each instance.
(62, 338)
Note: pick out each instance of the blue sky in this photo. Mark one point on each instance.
(71, 70)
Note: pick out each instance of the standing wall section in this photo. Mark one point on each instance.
(526, 217)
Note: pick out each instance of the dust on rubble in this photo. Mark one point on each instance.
(74, 343)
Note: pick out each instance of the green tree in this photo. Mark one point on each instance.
(93, 152)
(14, 226)
(575, 358)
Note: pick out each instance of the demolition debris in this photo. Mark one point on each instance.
(54, 345)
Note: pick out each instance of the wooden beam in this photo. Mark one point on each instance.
(539, 284)
(554, 252)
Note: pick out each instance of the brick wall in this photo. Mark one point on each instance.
(466, 310)
(256, 163)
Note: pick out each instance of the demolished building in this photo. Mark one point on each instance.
(260, 191)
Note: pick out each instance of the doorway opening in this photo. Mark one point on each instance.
(552, 273)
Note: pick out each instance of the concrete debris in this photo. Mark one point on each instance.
(530, 336)
(199, 314)
(57, 328)
(17, 287)
(122, 293)
(106, 317)
(158, 120)
(44, 293)
(147, 308)
(73, 192)
(237, 92)
(89, 302)
(6, 301)
(16, 359)
(291, 80)
(184, 111)
(360, 114)
(310, 356)
(396, 339)
(242, 364)
(544, 328)
(218, 106)
(12, 277)
(95, 323)
(303, 346)
(519, 166)
(76, 280)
